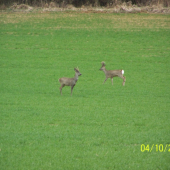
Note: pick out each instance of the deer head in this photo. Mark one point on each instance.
(77, 71)
(103, 65)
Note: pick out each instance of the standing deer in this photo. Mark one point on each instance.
(112, 73)
(69, 81)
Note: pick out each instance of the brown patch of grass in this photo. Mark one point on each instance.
(118, 7)
(21, 7)
(53, 5)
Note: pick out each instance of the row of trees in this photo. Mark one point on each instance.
(78, 3)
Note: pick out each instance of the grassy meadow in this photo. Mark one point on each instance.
(99, 127)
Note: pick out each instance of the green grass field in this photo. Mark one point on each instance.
(99, 127)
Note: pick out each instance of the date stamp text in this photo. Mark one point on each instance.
(155, 147)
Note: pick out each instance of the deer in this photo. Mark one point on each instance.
(64, 81)
(112, 73)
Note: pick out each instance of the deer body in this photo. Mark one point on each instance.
(112, 73)
(64, 81)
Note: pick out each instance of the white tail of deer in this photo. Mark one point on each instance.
(112, 73)
(64, 81)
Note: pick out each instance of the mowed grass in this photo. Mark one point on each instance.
(100, 126)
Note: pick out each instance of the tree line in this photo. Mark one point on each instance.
(79, 3)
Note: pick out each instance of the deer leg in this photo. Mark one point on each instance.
(61, 88)
(124, 79)
(72, 89)
(105, 80)
(112, 80)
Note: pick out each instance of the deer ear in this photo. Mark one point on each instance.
(103, 63)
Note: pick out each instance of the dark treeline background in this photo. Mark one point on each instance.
(78, 3)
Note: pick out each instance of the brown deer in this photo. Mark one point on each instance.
(69, 81)
(112, 73)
